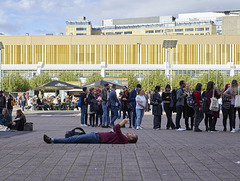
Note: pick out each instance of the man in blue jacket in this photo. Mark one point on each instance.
(114, 103)
(132, 100)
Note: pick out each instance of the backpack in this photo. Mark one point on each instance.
(73, 132)
(173, 100)
(2, 101)
(205, 107)
(79, 102)
(191, 100)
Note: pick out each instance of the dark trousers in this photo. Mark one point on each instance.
(179, 110)
(157, 121)
(206, 121)
(129, 116)
(168, 111)
(187, 122)
(211, 120)
(92, 119)
(198, 116)
(86, 116)
(227, 114)
(134, 116)
(233, 111)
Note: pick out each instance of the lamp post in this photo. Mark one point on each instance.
(170, 44)
(1, 47)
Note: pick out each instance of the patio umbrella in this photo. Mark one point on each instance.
(57, 85)
(100, 84)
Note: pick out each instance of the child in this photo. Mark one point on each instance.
(18, 122)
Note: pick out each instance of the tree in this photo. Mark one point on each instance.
(15, 83)
(39, 80)
(67, 76)
(132, 81)
(94, 78)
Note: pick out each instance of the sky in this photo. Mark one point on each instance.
(39, 17)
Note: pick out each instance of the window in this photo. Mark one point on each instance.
(189, 29)
(201, 33)
(118, 33)
(179, 33)
(81, 34)
(109, 33)
(81, 29)
(178, 30)
(169, 30)
(127, 32)
(199, 29)
(207, 29)
(149, 31)
(158, 31)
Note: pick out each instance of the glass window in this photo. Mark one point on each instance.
(199, 29)
(207, 29)
(158, 31)
(169, 30)
(118, 33)
(149, 31)
(178, 30)
(189, 29)
(81, 34)
(127, 32)
(81, 29)
(179, 34)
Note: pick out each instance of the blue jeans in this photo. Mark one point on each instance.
(140, 113)
(23, 105)
(105, 118)
(84, 138)
(114, 114)
(83, 111)
(10, 113)
(98, 116)
(120, 111)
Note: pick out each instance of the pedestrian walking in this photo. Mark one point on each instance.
(140, 108)
(156, 103)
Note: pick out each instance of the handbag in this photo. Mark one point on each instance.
(73, 132)
(214, 106)
(28, 126)
(237, 100)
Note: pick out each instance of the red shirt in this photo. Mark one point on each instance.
(197, 96)
(115, 137)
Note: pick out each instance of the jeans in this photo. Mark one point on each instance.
(140, 114)
(105, 118)
(84, 138)
(23, 105)
(83, 111)
(120, 110)
(10, 113)
(226, 114)
(179, 110)
(98, 116)
(114, 114)
(168, 111)
(198, 116)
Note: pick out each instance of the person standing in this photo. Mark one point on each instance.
(91, 97)
(126, 105)
(140, 108)
(188, 111)
(213, 115)
(23, 100)
(180, 104)
(147, 100)
(2, 101)
(10, 105)
(83, 98)
(113, 101)
(105, 96)
(198, 107)
(232, 92)
(226, 109)
(156, 103)
(132, 100)
(166, 97)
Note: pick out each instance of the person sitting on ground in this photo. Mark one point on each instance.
(115, 137)
(5, 118)
(18, 122)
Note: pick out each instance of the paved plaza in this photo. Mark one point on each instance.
(158, 155)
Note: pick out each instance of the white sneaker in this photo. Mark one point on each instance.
(180, 129)
(138, 127)
(233, 131)
(83, 125)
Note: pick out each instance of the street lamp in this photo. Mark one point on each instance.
(170, 44)
(1, 47)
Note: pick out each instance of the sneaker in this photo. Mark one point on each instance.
(141, 127)
(225, 129)
(159, 128)
(233, 131)
(138, 127)
(104, 126)
(83, 125)
(197, 130)
(180, 129)
(47, 139)
(188, 129)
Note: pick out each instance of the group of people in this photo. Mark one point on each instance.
(6, 119)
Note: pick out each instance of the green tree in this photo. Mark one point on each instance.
(94, 78)
(132, 81)
(67, 76)
(39, 80)
(15, 83)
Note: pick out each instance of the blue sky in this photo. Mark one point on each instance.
(38, 17)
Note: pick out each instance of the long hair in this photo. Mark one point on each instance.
(234, 87)
(19, 111)
(198, 87)
(226, 87)
(210, 85)
(168, 87)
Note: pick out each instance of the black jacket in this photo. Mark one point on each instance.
(156, 102)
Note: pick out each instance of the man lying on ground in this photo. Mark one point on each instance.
(115, 137)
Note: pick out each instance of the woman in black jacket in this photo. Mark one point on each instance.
(90, 99)
(157, 108)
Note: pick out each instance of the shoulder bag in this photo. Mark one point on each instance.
(214, 106)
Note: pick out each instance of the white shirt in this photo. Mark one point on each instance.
(142, 100)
